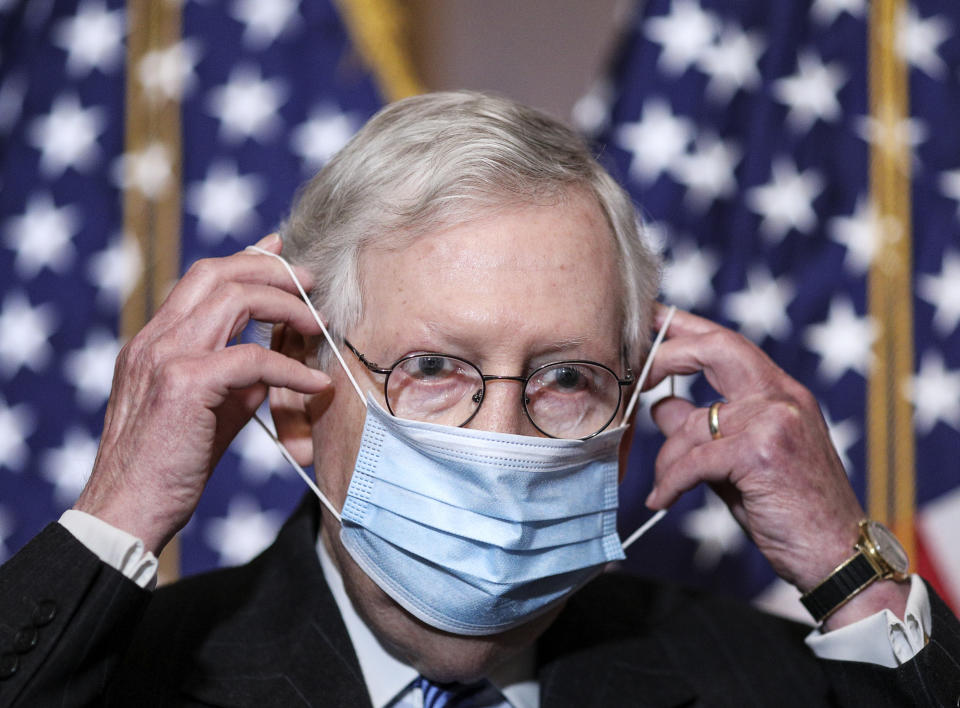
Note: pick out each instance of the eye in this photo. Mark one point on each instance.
(431, 366)
(567, 377)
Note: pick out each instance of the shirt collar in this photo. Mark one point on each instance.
(386, 677)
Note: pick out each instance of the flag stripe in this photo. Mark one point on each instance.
(152, 221)
(891, 495)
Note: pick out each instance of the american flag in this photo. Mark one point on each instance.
(267, 92)
(744, 132)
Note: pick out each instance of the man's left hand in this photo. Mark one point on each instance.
(773, 463)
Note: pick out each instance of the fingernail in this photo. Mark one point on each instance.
(321, 376)
(651, 498)
(269, 241)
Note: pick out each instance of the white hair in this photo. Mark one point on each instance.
(442, 159)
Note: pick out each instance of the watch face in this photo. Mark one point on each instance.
(888, 547)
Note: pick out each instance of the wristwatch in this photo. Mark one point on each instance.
(878, 555)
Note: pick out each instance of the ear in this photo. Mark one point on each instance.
(289, 408)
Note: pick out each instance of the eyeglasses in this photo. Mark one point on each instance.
(565, 399)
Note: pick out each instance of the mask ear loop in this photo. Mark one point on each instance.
(316, 316)
(336, 350)
(655, 519)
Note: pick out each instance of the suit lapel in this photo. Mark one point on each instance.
(597, 654)
(288, 647)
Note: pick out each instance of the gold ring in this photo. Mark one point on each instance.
(713, 420)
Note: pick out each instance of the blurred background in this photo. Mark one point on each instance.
(797, 163)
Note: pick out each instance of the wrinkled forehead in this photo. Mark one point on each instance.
(527, 267)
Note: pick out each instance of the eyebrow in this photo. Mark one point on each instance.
(556, 345)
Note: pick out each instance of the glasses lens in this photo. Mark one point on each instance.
(572, 399)
(434, 389)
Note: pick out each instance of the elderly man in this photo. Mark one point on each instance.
(489, 300)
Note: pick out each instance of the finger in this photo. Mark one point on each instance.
(207, 275)
(687, 426)
(708, 462)
(214, 322)
(245, 365)
(670, 413)
(270, 242)
(683, 322)
(209, 380)
(733, 365)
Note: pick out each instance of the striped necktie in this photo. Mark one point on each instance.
(449, 695)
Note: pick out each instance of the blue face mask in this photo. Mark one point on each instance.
(475, 532)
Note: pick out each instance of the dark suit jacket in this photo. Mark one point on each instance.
(269, 634)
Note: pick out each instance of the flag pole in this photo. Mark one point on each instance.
(378, 29)
(151, 208)
(891, 494)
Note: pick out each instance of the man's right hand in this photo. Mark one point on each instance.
(181, 393)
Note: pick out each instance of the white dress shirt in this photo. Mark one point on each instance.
(389, 680)
(882, 638)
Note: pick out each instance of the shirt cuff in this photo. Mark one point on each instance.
(882, 638)
(115, 547)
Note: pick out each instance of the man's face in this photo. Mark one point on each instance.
(510, 292)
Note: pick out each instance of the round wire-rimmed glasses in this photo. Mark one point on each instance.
(574, 399)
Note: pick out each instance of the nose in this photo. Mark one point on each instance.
(501, 410)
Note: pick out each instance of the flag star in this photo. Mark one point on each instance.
(149, 170)
(42, 237)
(90, 369)
(707, 171)
(16, 425)
(92, 38)
(898, 136)
(811, 93)
(656, 141)
(935, 393)
(68, 467)
(67, 136)
(7, 527)
(732, 63)
(918, 40)
(322, 136)
(859, 233)
(591, 112)
(116, 270)
(244, 532)
(247, 106)
(168, 74)
(224, 203)
(715, 531)
(12, 91)
(761, 308)
(259, 457)
(786, 201)
(685, 34)
(826, 12)
(943, 292)
(844, 435)
(24, 334)
(950, 186)
(263, 21)
(688, 275)
(843, 342)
